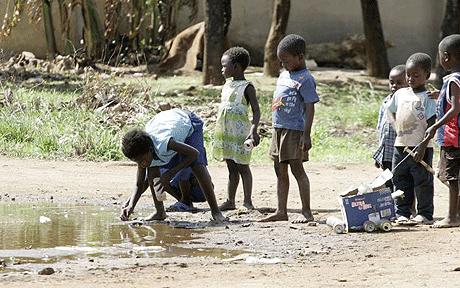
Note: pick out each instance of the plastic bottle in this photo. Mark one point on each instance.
(248, 144)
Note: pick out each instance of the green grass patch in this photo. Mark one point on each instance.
(48, 122)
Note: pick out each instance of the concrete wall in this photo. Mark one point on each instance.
(410, 25)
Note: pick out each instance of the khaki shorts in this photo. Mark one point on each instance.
(285, 145)
(449, 164)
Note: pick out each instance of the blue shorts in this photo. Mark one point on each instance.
(195, 140)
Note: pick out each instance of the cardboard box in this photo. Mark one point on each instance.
(373, 206)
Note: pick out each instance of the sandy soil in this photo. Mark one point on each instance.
(308, 256)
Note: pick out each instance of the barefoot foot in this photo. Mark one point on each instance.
(275, 217)
(305, 217)
(248, 206)
(219, 218)
(228, 205)
(155, 217)
(446, 223)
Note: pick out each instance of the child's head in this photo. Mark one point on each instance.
(449, 52)
(418, 69)
(291, 52)
(137, 146)
(234, 61)
(397, 78)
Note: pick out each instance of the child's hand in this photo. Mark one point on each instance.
(255, 138)
(429, 133)
(433, 94)
(125, 212)
(376, 164)
(305, 142)
(165, 179)
(420, 152)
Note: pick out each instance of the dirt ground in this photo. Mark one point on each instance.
(305, 256)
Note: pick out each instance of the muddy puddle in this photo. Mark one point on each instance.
(47, 233)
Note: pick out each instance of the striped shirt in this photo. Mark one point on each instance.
(387, 135)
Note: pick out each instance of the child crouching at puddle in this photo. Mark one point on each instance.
(173, 140)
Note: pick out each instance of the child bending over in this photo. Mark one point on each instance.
(173, 139)
(293, 110)
(233, 127)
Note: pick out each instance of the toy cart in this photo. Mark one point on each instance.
(369, 211)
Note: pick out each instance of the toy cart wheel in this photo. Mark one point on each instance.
(386, 226)
(369, 226)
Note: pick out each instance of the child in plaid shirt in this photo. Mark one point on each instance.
(387, 135)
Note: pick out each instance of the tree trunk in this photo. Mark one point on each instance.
(65, 28)
(376, 52)
(213, 42)
(450, 25)
(93, 32)
(278, 27)
(49, 28)
(227, 15)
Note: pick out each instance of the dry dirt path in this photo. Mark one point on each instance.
(310, 256)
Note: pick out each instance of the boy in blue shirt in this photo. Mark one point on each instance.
(293, 112)
(172, 140)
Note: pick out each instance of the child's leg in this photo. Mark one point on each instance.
(204, 179)
(282, 188)
(246, 176)
(423, 186)
(403, 181)
(232, 185)
(388, 165)
(452, 219)
(160, 213)
(304, 189)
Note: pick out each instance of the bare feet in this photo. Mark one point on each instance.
(228, 205)
(275, 217)
(219, 218)
(248, 206)
(446, 223)
(155, 217)
(304, 218)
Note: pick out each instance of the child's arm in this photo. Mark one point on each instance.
(305, 140)
(420, 152)
(141, 185)
(190, 153)
(250, 94)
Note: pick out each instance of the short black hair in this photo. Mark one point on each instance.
(239, 55)
(422, 60)
(450, 44)
(135, 143)
(399, 68)
(292, 44)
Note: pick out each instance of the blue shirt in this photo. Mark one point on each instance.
(293, 90)
(174, 123)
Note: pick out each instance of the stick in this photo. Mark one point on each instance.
(427, 167)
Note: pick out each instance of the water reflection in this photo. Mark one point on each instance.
(87, 230)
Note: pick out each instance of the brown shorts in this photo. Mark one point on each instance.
(285, 145)
(449, 164)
